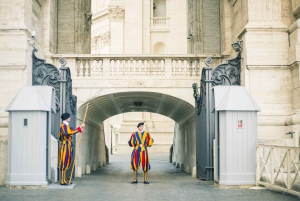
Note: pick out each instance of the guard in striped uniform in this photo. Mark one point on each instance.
(140, 141)
(66, 154)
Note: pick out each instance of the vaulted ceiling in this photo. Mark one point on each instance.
(106, 106)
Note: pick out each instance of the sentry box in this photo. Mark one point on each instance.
(235, 136)
(29, 136)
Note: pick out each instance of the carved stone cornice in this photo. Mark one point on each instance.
(116, 13)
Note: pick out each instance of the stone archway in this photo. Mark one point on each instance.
(105, 106)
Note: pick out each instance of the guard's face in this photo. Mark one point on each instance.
(69, 119)
(141, 127)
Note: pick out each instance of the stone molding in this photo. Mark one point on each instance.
(104, 38)
(116, 13)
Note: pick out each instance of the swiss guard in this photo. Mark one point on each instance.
(140, 141)
(65, 155)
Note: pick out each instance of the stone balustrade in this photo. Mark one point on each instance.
(160, 21)
(134, 65)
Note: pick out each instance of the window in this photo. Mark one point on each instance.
(25, 122)
(159, 8)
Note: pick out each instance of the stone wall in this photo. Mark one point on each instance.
(91, 153)
(184, 146)
(74, 33)
(204, 26)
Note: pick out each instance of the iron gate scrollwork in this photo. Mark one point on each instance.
(60, 79)
(224, 74)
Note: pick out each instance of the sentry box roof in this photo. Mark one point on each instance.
(233, 98)
(33, 98)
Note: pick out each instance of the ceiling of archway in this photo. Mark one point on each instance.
(103, 107)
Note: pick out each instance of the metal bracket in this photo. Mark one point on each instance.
(290, 133)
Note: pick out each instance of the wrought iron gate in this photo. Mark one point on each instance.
(224, 74)
(60, 79)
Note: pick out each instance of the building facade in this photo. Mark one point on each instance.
(268, 31)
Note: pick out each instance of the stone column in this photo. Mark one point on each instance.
(265, 71)
(116, 17)
(293, 120)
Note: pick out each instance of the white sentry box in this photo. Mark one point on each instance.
(30, 136)
(235, 135)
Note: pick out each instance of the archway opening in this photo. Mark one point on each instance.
(93, 151)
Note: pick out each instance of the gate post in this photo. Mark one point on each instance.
(63, 81)
(210, 122)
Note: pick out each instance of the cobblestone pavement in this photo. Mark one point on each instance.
(112, 182)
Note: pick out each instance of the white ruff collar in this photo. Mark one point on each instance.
(65, 122)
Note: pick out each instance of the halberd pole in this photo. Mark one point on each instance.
(76, 152)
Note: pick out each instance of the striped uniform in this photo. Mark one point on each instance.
(65, 155)
(140, 142)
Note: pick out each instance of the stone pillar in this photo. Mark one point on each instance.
(265, 71)
(116, 17)
(15, 61)
(293, 120)
(133, 35)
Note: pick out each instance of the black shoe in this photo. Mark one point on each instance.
(146, 182)
(64, 184)
(134, 182)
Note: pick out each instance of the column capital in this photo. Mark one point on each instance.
(116, 13)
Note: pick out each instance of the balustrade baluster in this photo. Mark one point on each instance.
(156, 68)
(146, 67)
(83, 67)
(121, 67)
(127, 68)
(93, 68)
(142, 70)
(117, 64)
(163, 67)
(150, 67)
(139, 66)
(78, 64)
(111, 69)
(131, 67)
(98, 66)
(190, 66)
(89, 67)
(177, 68)
(185, 67)
(114, 68)
(173, 67)
(196, 67)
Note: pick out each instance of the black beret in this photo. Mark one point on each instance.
(65, 116)
(140, 124)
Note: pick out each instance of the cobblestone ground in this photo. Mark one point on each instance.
(112, 182)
